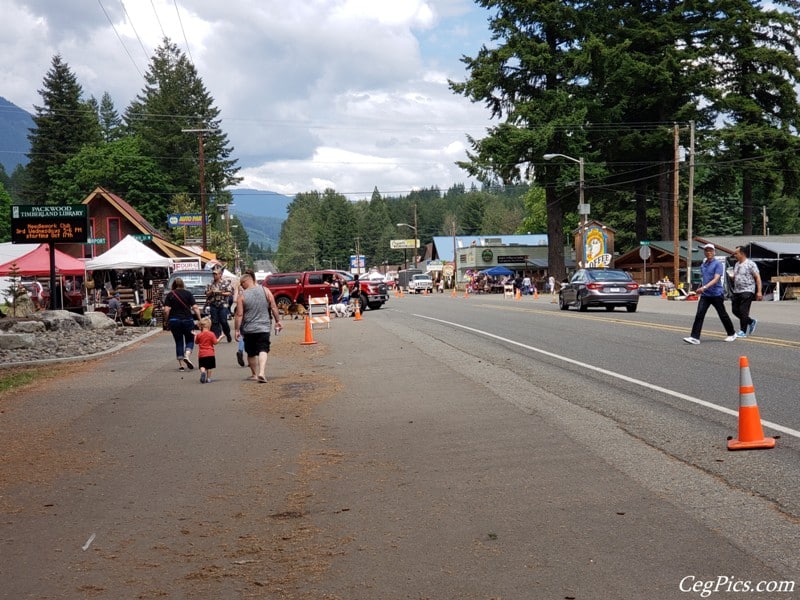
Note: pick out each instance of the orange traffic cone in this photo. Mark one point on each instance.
(453, 293)
(535, 293)
(664, 292)
(358, 312)
(309, 336)
(466, 294)
(517, 294)
(751, 434)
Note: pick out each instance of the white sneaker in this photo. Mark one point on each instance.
(691, 340)
(731, 338)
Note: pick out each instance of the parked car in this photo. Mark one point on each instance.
(599, 287)
(193, 280)
(419, 283)
(289, 288)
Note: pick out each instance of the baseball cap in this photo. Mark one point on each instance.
(709, 247)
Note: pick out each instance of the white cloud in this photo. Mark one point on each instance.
(348, 94)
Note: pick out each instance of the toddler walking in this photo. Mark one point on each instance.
(205, 342)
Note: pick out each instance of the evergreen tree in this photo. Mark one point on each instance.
(64, 123)
(532, 78)
(757, 74)
(122, 168)
(5, 214)
(175, 99)
(110, 121)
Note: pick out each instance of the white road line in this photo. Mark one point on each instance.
(639, 382)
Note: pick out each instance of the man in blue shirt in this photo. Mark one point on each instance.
(712, 294)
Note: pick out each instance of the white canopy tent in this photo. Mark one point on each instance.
(129, 253)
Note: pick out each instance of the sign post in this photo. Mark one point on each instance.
(644, 253)
(32, 224)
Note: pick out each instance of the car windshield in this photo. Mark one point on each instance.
(610, 276)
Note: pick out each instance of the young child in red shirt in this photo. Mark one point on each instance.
(205, 342)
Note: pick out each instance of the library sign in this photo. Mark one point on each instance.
(56, 224)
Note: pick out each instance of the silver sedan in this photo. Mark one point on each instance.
(599, 287)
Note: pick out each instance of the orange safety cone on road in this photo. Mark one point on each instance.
(309, 336)
(358, 312)
(664, 292)
(535, 293)
(453, 293)
(466, 294)
(518, 294)
(751, 434)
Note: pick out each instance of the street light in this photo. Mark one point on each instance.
(415, 238)
(582, 209)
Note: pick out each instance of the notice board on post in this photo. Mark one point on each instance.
(33, 224)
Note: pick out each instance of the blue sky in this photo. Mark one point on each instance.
(314, 94)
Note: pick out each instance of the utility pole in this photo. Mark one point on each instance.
(202, 173)
(690, 209)
(455, 255)
(416, 242)
(676, 259)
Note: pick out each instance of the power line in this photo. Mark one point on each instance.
(163, 34)
(135, 66)
(136, 33)
(183, 31)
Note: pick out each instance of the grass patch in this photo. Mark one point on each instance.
(12, 380)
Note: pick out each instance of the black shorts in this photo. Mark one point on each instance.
(207, 362)
(256, 343)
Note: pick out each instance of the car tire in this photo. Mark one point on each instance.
(631, 307)
(562, 304)
(582, 307)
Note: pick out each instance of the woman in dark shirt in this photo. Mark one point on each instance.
(179, 308)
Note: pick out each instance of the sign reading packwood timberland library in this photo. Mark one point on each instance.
(57, 224)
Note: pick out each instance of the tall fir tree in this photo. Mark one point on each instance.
(64, 123)
(110, 121)
(530, 78)
(174, 100)
(754, 52)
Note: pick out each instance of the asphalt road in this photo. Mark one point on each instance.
(439, 448)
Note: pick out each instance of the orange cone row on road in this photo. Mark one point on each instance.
(751, 433)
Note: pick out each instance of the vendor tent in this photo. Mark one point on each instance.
(129, 253)
(498, 271)
(37, 263)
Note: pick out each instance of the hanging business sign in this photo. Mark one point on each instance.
(185, 220)
(57, 224)
(596, 248)
(403, 244)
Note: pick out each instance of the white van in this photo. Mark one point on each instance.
(195, 281)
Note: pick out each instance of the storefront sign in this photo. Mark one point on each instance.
(58, 224)
(512, 259)
(185, 220)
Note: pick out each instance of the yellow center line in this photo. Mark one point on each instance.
(634, 323)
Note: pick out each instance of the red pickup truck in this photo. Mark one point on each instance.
(289, 288)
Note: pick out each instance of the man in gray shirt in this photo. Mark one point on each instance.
(746, 287)
(252, 323)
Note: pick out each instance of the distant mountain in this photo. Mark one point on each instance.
(14, 126)
(264, 231)
(262, 213)
(260, 203)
